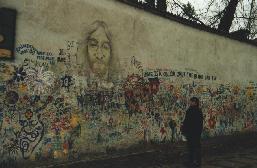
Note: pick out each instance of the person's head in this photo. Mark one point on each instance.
(98, 49)
(194, 102)
(154, 85)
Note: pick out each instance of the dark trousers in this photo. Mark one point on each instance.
(194, 149)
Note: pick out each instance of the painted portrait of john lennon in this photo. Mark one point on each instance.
(96, 49)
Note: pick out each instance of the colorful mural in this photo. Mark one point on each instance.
(50, 114)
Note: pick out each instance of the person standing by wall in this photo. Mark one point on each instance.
(192, 128)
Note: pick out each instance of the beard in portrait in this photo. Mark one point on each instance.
(96, 56)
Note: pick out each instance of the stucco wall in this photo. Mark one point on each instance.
(59, 101)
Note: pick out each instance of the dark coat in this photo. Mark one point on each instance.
(193, 123)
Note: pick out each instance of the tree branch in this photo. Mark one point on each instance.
(187, 14)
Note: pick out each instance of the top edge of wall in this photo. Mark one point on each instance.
(187, 22)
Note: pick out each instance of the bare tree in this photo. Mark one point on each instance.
(162, 5)
(224, 15)
(228, 16)
(238, 17)
(150, 3)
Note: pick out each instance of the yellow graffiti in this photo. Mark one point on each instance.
(74, 121)
(23, 88)
(236, 89)
(250, 91)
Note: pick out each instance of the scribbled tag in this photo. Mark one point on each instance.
(29, 138)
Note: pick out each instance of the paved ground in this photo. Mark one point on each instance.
(235, 151)
(243, 158)
(240, 159)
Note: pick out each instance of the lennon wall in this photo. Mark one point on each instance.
(91, 76)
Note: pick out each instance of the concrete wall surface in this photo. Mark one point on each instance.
(93, 76)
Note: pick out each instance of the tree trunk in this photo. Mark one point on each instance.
(250, 20)
(162, 5)
(228, 17)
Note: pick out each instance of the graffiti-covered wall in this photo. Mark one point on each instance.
(93, 76)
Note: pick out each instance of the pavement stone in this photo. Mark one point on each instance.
(238, 159)
(231, 152)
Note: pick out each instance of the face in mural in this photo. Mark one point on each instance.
(99, 50)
